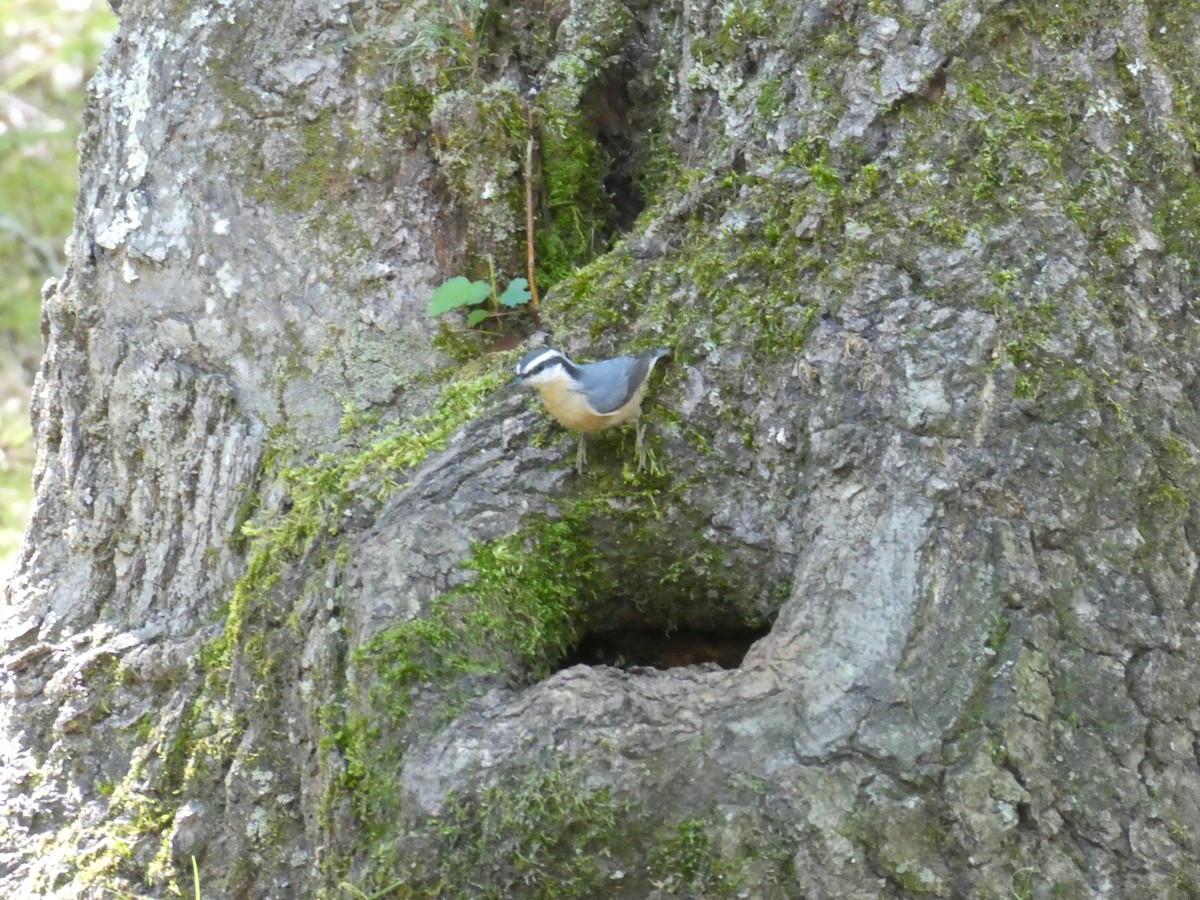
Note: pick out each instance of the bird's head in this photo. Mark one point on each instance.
(543, 367)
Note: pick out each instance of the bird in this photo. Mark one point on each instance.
(587, 397)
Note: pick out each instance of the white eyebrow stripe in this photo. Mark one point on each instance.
(541, 358)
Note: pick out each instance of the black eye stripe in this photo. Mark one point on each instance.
(550, 361)
(543, 366)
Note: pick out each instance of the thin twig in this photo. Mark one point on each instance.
(530, 254)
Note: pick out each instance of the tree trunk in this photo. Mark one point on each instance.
(905, 603)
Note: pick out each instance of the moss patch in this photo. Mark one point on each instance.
(479, 142)
(530, 599)
(194, 744)
(544, 834)
(516, 618)
(318, 494)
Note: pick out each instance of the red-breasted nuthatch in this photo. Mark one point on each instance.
(588, 397)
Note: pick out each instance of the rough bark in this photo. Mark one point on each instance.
(299, 597)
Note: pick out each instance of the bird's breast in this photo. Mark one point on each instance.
(573, 411)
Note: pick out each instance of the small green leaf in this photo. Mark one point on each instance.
(516, 293)
(455, 293)
(475, 317)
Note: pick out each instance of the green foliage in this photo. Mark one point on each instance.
(50, 52)
(459, 292)
(458, 53)
(455, 293)
(16, 463)
(447, 35)
(516, 294)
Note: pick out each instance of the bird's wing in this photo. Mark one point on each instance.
(611, 383)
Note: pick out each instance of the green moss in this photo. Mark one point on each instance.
(315, 169)
(725, 284)
(984, 154)
(580, 215)
(596, 296)
(1168, 499)
(915, 878)
(190, 748)
(545, 834)
(524, 608)
(515, 619)
(142, 806)
(310, 169)
(481, 126)
(104, 854)
(482, 119)
(744, 23)
(770, 103)
(1185, 882)
(320, 492)
(518, 614)
(408, 107)
(1177, 210)
(685, 860)
(479, 140)
(758, 257)
(659, 165)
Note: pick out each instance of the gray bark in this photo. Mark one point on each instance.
(928, 272)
